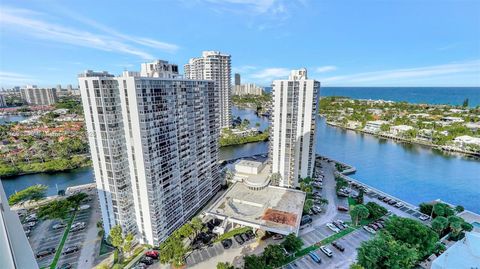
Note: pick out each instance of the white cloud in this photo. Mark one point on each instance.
(11, 78)
(267, 75)
(398, 76)
(327, 68)
(15, 20)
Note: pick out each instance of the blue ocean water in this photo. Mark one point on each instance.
(426, 95)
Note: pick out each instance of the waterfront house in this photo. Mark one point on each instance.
(374, 126)
(452, 119)
(474, 126)
(400, 129)
(466, 141)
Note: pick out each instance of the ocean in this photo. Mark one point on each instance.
(419, 95)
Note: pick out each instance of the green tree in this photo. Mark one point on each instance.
(358, 213)
(255, 262)
(439, 224)
(356, 266)
(56, 209)
(439, 209)
(77, 199)
(375, 210)
(413, 233)
(116, 238)
(385, 252)
(274, 255)
(127, 245)
(224, 265)
(34, 193)
(459, 208)
(307, 206)
(385, 127)
(426, 208)
(292, 243)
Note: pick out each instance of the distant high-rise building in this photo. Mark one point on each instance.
(15, 251)
(69, 87)
(154, 146)
(36, 96)
(292, 138)
(3, 102)
(247, 89)
(237, 79)
(216, 66)
(59, 88)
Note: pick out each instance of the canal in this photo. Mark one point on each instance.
(410, 172)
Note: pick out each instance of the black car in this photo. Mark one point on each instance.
(70, 250)
(380, 197)
(250, 234)
(239, 239)
(338, 246)
(65, 266)
(245, 237)
(45, 252)
(147, 260)
(227, 243)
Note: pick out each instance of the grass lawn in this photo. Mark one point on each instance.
(62, 242)
(139, 250)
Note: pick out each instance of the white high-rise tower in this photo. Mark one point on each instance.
(216, 66)
(292, 138)
(154, 145)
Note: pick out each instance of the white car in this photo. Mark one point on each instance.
(31, 224)
(342, 222)
(424, 217)
(370, 230)
(399, 204)
(277, 237)
(327, 251)
(77, 226)
(83, 207)
(333, 227)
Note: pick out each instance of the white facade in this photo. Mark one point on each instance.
(400, 129)
(292, 139)
(35, 96)
(374, 126)
(154, 146)
(216, 66)
(15, 251)
(247, 89)
(3, 102)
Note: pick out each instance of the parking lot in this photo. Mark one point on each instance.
(43, 236)
(339, 259)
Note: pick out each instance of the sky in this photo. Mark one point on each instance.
(341, 43)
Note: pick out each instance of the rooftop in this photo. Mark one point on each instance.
(271, 208)
(463, 254)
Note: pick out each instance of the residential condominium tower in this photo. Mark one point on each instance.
(36, 96)
(216, 66)
(292, 139)
(154, 146)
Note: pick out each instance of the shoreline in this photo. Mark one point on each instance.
(400, 139)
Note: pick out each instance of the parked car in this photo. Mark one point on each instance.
(70, 250)
(386, 199)
(333, 228)
(277, 236)
(380, 197)
(337, 245)
(27, 232)
(424, 217)
(245, 237)
(305, 220)
(146, 260)
(227, 243)
(338, 225)
(31, 217)
(77, 226)
(327, 251)
(58, 226)
(65, 266)
(342, 208)
(315, 257)
(392, 202)
(140, 266)
(31, 224)
(45, 252)
(374, 226)
(250, 234)
(399, 204)
(154, 254)
(83, 207)
(342, 222)
(239, 239)
(370, 230)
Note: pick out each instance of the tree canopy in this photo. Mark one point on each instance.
(414, 233)
(56, 209)
(375, 210)
(358, 213)
(292, 243)
(35, 193)
(384, 252)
